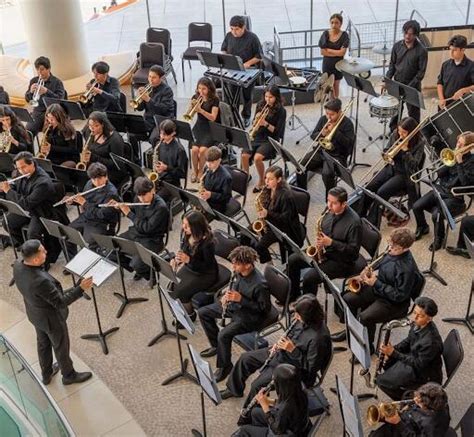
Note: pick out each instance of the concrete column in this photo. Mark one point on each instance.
(54, 29)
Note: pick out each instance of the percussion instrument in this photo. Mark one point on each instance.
(355, 65)
(383, 107)
(234, 77)
(382, 49)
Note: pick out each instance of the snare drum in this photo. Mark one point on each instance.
(297, 81)
(383, 107)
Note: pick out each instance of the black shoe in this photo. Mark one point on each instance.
(257, 189)
(47, 379)
(209, 352)
(246, 122)
(77, 378)
(66, 272)
(458, 251)
(421, 231)
(436, 244)
(137, 277)
(222, 373)
(227, 394)
(5, 242)
(339, 336)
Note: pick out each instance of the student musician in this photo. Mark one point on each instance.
(459, 175)
(13, 136)
(149, 223)
(338, 240)
(60, 145)
(307, 346)
(417, 359)
(52, 87)
(246, 302)
(195, 260)
(270, 126)
(207, 111)
(334, 44)
(343, 143)
(169, 159)
(385, 294)
(239, 41)
(217, 181)
(394, 180)
(467, 229)
(4, 97)
(286, 415)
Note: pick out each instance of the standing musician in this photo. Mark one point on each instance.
(246, 302)
(217, 181)
(385, 294)
(245, 44)
(307, 347)
(408, 63)
(13, 132)
(459, 175)
(52, 87)
(195, 260)
(467, 229)
(287, 415)
(270, 126)
(343, 142)
(60, 145)
(394, 180)
(340, 236)
(47, 309)
(150, 223)
(417, 359)
(334, 44)
(207, 111)
(456, 77)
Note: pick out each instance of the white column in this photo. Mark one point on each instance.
(54, 29)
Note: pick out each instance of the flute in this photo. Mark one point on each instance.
(119, 204)
(67, 199)
(12, 181)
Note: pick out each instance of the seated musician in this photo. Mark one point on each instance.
(195, 259)
(4, 97)
(467, 229)
(92, 219)
(239, 41)
(12, 132)
(170, 159)
(428, 416)
(246, 302)
(417, 359)
(273, 126)
(394, 180)
(105, 140)
(459, 175)
(307, 346)
(52, 87)
(339, 242)
(36, 194)
(157, 102)
(287, 415)
(343, 143)
(385, 294)
(60, 146)
(207, 111)
(105, 92)
(217, 183)
(150, 223)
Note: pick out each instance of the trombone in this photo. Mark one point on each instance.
(36, 96)
(88, 96)
(193, 107)
(135, 103)
(457, 191)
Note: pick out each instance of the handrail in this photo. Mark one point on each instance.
(415, 11)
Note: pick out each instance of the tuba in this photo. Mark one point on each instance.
(261, 203)
(135, 103)
(5, 141)
(261, 116)
(377, 413)
(88, 96)
(193, 107)
(314, 251)
(85, 155)
(44, 143)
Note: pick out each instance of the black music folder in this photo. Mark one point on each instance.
(88, 263)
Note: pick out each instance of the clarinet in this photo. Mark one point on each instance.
(245, 411)
(225, 305)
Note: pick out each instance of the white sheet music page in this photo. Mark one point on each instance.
(101, 271)
(82, 262)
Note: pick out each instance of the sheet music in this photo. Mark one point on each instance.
(101, 271)
(362, 354)
(82, 261)
(205, 376)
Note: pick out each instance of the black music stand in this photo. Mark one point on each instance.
(120, 246)
(101, 336)
(230, 136)
(6, 163)
(22, 113)
(195, 201)
(71, 176)
(286, 156)
(73, 109)
(46, 165)
(183, 128)
(207, 382)
(237, 227)
(342, 172)
(129, 167)
(405, 94)
(350, 412)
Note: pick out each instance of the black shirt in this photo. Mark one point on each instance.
(62, 149)
(219, 183)
(329, 62)
(101, 153)
(150, 221)
(202, 256)
(408, 162)
(459, 175)
(55, 90)
(276, 118)
(174, 156)
(408, 65)
(343, 139)
(92, 213)
(161, 103)
(246, 47)
(454, 76)
(20, 134)
(109, 100)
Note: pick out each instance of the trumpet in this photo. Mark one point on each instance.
(36, 96)
(44, 143)
(84, 193)
(135, 103)
(119, 204)
(354, 284)
(457, 191)
(88, 96)
(85, 155)
(262, 116)
(261, 203)
(377, 413)
(315, 251)
(193, 107)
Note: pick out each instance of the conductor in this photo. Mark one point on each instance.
(47, 309)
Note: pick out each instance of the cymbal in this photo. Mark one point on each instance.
(355, 65)
(325, 86)
(382, 49)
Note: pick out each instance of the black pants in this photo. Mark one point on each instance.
(36, 125)
(373, 309)
(58, 340)
(266, 240)
(222, 340)
(192, 283)
(429, 203)
(258, 426)
(467, 228)
(246, 99)
(413, 112)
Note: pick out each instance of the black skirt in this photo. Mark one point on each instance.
(192, 283)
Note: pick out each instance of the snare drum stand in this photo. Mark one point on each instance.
(294, 119)
(384, 137)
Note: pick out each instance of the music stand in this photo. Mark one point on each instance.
(341, 171)
(207, 382)
(22, 113)
(46, 165)
(350, 412)
(405, 94)
(119, 246)
(71, 176)
(286, 156)
(192, 199)
(237, 227)
(230, 135)
(183, 128)
(6, 163)
(73, 109)
(126, 166)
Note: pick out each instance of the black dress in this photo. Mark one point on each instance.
(202, 128)
(329, 62)
(62, 149)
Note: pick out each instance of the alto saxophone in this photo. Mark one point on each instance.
(44, 143)
(85, 155)
(314, 251)
(152, 174)
(6, 138)
(261, 203)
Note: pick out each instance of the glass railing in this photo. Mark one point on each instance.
(26, 408)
